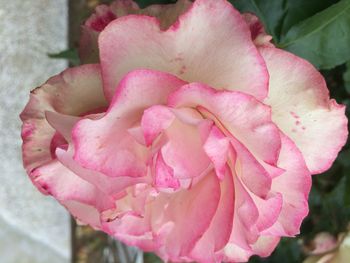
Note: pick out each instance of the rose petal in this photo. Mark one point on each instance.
(302, 109)
(242, 115)
(164, 174)
(263, 247)
(110, 186)
(73, 92)
(251, 173)
(108, 147)
(154, 120)
(224, 59)
(80, 197)
(294, 185)
(246, 215)
(184, 150)
(199, 208)
(62, 123)
(219, 231)
(217, 147)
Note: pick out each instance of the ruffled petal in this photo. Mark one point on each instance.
(164, 174)
(244, 230)
(154, 121)
(109, 185)
(294, 186)
(217, 147)
(199, 208)
(80, 197)
(242, 115)
(184, 151)
(224, 59)
(88, 47)
(219, 231)
(251, 173)
(108, 147)
(302, 109)
(73, 92)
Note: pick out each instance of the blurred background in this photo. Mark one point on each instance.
(35, 229)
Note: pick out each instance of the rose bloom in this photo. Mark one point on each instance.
(328, 249)
(192, 137)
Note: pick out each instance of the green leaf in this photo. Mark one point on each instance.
(346, 77)
(334, 215)
(279, 16)
(70, 54)
(324, 38)
(299, 10)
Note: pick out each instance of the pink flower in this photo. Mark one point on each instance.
(328, 249)
(194, 137)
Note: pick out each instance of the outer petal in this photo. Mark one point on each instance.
(242, 115)
(81, 198)
(108, 147)
(73, 92)
(63, 124)
(88, 48)
(294, 185)
(224, 59)
(301, 108)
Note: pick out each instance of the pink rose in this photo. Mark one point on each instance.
(194, 137)
(325, 248)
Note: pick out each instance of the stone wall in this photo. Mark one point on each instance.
(33, 228)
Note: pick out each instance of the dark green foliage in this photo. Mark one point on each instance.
(151, 258)
(346, 77)
(324, 38)
(144, 3)
(316, 30)
(280, 15)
